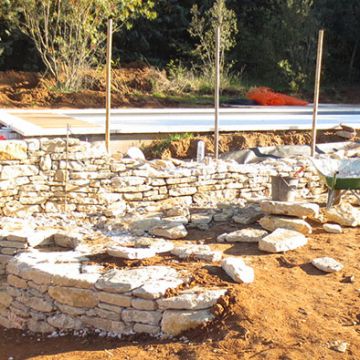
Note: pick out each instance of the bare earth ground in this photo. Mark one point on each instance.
(291, 311)
(133, 86)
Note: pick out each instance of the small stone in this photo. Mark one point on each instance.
(339, 346)
(327, 264)
(332, 228)
(238, 270)
(282, 240)
(201, 218)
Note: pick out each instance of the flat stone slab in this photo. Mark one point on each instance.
(125, 280)
(238, 270)
(159, 245)
(271, 223)
(282, 240)
(333, 228)
(124, 252)
(201, 218)
(193, 299)
(174, 322)
(248, 235)
(201, 252)
(327, 264)
(170, 231)
(296, 209)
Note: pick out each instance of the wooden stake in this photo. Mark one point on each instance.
(108, 84)
(217, 89)
(317, 90)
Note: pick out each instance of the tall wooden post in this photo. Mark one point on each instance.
(317, 90)
(108, 83)
(217, 89)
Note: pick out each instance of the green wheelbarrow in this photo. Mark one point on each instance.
(340, 176)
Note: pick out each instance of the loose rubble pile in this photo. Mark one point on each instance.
(134, 210)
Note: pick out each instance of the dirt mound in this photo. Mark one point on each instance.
(186, 148)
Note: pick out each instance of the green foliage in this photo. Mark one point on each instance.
(69, 34)
(203, 28)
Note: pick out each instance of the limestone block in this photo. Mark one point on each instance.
(117, 327)
(40, 326)
(147, 329)
(202, 252)
(45, 163)
(332, 228)
(40, 304)
(143, 304)
(13, 150)
(74, 297)
(250, 235)
(120, 281)
(290, 208)
(193, 299)
(248, 215)
(327, 264)
(71, 310)
(271, 223)
(282, 240)
(344, 214)
(170, 231)
(115, 299)
(17, 282)
(141, 316)
(131, 253)
(238, 270)
(107, 314)
(63, 321)
(174, 322)
(14, 171)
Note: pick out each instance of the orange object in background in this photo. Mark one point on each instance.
(266, 96)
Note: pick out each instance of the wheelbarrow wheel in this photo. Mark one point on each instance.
(334, 198)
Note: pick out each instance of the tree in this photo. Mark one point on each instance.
(203, 27)
(69, 34)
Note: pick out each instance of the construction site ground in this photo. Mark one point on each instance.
(291, 311)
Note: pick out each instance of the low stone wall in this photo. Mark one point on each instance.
(51, 292)
(42, 175)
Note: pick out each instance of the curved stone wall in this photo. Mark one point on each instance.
(60, 291)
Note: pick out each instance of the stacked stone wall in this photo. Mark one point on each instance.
(46, 176)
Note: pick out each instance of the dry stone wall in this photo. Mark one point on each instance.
(44, 175)
(50, 292)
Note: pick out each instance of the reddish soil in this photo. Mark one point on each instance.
(291, 311)
(187, 147)
(132, 86)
